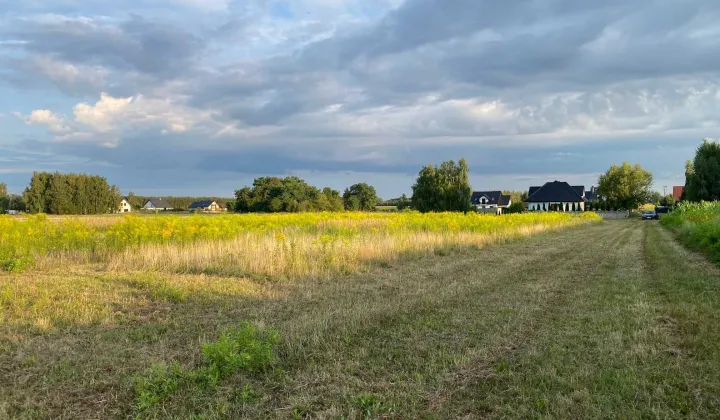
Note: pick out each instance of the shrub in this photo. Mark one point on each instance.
(245, 349)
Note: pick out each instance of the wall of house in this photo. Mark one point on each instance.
(539, 206)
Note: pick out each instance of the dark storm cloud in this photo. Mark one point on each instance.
(518, 88)
(136, 44)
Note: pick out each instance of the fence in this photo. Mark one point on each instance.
(619, 214)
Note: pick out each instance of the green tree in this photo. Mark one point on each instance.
(654, 198)
(626, 186)
(668, 201)
(515, 207)
(58, 193)
(290, 194)
(443, 188)
(4, 198)
(365, 195)
(702, 175)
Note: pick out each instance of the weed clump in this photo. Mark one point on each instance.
(247, 349)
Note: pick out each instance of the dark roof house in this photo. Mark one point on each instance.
(157, 203)
(201, 204)
(490, 198)
(556, 192)
(592, 195)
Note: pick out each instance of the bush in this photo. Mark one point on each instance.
(697, 226)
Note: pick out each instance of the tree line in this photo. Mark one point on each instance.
(293, 194)
(56, 193)
(12, 202)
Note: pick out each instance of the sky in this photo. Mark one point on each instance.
(199, 97)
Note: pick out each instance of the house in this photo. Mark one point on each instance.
(207, 206)
(490, 200)
(592, 195)
(157, 204)
(124, 206)
(557, 196)
(678, 192)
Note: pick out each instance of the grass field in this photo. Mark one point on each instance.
(609, 320)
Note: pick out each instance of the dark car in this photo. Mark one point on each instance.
(650, 215)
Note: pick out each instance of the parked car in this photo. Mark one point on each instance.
(650, 215)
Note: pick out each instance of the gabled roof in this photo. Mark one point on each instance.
(555, 191)
(505, 200)
(532, 191)
(591, 195)
(492, 196)
(201, 204)
(580, 189)
(159, 203)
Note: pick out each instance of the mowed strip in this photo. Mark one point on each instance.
(604, 321)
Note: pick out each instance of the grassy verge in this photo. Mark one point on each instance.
(606, 321)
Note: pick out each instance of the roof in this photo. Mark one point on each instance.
(678, 192)
(504, 200)
(492, 196)
(159, 203)
(201, 204)
(532, 191)
(591, 195)
(556, 191)
(580, 189)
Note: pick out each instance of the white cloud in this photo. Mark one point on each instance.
(110, 114)
(45, 117)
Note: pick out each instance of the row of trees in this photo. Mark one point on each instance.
(10, 201)
(56, 193)
(292, 194)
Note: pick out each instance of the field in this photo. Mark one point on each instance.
(487, 317)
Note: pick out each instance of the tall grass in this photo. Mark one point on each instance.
(697, 225)
(254, 244)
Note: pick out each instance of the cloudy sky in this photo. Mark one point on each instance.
(198, 97)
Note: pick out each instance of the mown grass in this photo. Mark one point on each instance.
(613, 320)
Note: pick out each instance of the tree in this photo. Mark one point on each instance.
(668, 201)
(702, 175)
(58, 193)
(516, 207)
(626, 186)
(365, 196)
(443, 188)
(289, 194)
(654, 198)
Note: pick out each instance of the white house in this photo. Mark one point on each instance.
(157, 204)
(124, 206)
(483, 200)
(207, 206)
(556, 196)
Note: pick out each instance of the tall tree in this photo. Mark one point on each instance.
(443, 188)
(625, 186)
(702, 175)
(4, 198)
(360, 197)
(70, 194)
